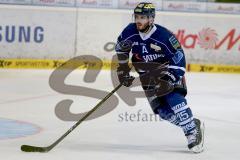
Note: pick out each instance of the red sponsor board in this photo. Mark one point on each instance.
(16, 1)
(130, 4)
(88, 2)
(55, 2)
(208, 38)
(223, 8)
(97, 3)
(184, 6)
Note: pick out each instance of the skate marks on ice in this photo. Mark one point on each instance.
(126, 148)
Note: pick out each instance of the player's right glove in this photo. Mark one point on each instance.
(124, 77)
(168, 76)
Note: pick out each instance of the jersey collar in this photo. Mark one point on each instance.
(145, 36)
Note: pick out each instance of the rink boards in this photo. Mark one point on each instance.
(105, 65)
(52, 35)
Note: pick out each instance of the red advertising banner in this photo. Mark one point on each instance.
(130, 4)
(223, 8)
(184, 6)
(54, 2)
(98, 3)
(16, 1)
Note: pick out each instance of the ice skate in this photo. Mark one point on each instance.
(196, 140)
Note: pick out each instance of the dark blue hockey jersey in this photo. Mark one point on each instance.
(159, 45)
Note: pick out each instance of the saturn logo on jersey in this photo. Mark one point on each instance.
(152, 57)
(148, 58)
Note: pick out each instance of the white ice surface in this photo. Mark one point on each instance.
(25, 95)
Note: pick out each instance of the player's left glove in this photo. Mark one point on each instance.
(124, 77)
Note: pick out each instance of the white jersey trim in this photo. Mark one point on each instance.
(145, 36)
(177, 67)
(130, 37)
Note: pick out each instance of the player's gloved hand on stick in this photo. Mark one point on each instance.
(125, 78)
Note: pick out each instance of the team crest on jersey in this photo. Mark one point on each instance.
(155, 47)
(174, 42)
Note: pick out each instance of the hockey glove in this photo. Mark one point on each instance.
(124, 78)
(168, 76)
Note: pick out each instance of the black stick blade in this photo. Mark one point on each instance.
(27, 148)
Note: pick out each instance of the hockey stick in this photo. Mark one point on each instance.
(27, 148)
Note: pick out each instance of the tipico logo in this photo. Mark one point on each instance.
(208, 38)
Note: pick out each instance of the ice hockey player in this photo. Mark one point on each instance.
(148, 42)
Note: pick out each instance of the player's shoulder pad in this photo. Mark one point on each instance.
(163, 32)
(168, 37)
(129, 30)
